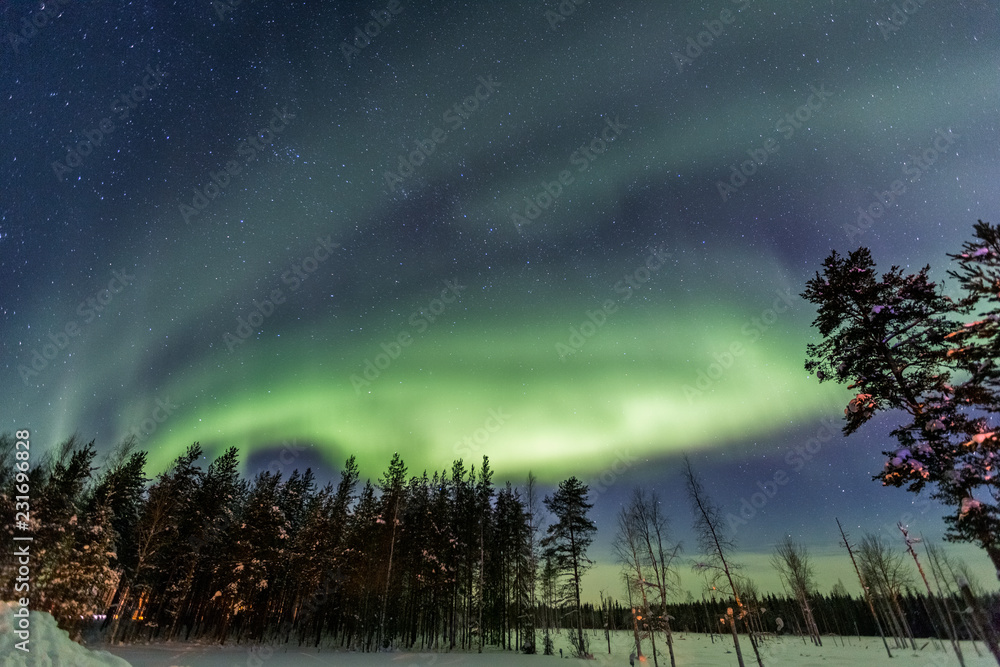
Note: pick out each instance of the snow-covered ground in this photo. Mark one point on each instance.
(51, 646)
(691, 651)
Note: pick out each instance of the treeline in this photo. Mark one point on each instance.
(445, 560)
(441, 561)
(835, 614)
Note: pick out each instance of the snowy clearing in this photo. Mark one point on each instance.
(691, 651)
(51, 646)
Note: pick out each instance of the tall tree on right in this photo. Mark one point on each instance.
(566, 542)
(902, 344)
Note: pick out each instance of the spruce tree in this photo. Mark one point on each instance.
(566, 542)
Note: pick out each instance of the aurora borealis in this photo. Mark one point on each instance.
(478, 228)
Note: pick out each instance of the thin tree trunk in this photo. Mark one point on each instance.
(977, 612)
(576, 587)
(731, 620)
(946, 594)
(949, 626)
(120, 611)
(482, 593)
(725, 568)
(867, 593)
(635, 621)
(670, 636)
(388, 574)
(903, 621)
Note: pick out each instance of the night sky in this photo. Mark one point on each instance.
(571, 237)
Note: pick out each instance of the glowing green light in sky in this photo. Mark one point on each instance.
(630, 388)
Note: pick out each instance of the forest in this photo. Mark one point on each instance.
(441, 562)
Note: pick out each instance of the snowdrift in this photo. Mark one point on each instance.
(48, 646)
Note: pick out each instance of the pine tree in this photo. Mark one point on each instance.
(482, 511)
(259, 539)
(896, 340)
(121, 488)
(390, 511)
(202, 527)
(64, 534)
(566, 542)
(364, 566)
(549, 583)
(323, 547)
(173, 499)
(529, 564)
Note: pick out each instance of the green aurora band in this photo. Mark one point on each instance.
(433, 402)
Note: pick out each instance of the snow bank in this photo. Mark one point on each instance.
(48, 646)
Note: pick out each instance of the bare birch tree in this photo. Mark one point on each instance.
(791, 560)
(716, 549)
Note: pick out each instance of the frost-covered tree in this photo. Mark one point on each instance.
(74, 537)
(162, 545)
(901, 344)
(120, 487)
